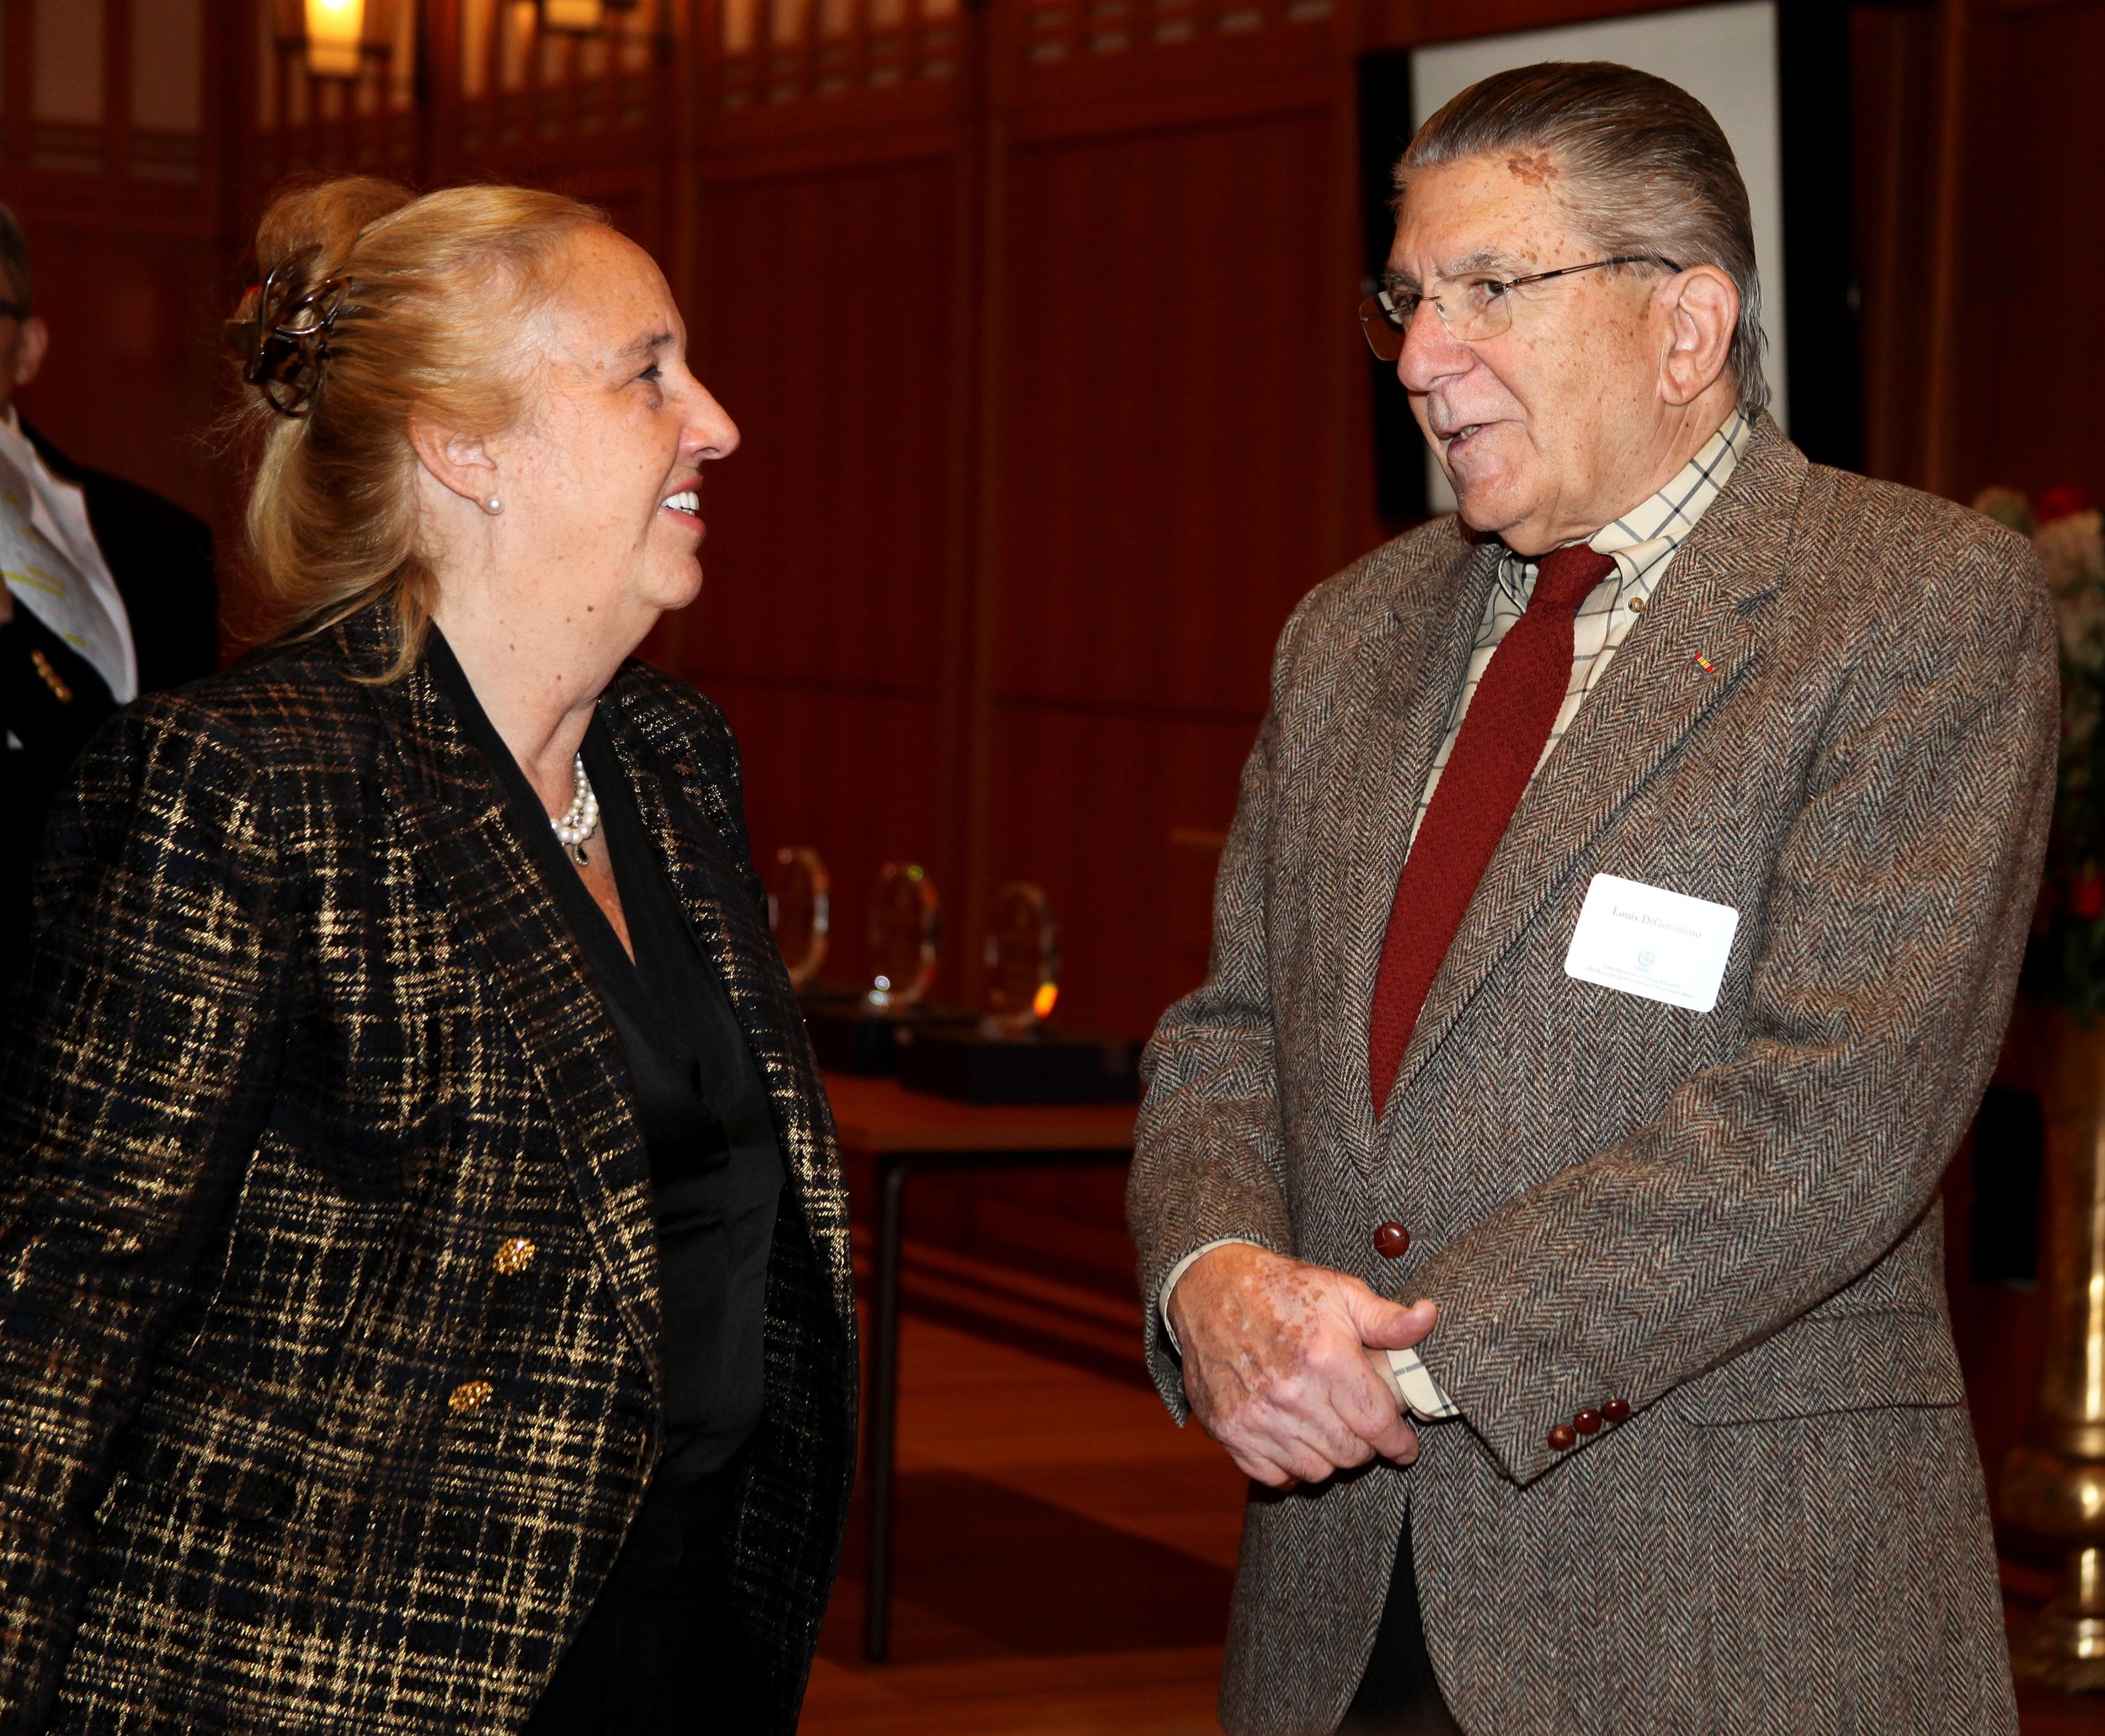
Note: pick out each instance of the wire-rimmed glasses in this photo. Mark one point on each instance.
(1472, 308)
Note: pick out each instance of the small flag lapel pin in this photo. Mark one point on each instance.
(1705, 664)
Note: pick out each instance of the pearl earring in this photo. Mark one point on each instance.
(492, 506)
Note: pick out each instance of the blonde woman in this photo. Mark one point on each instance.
(424, 1296)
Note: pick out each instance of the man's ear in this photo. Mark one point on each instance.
(1702, 309)
(29, 352)
(457, 461)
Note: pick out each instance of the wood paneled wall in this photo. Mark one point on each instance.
(1037, 322)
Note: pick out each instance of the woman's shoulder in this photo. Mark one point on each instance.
(273, 712)
(672, 716)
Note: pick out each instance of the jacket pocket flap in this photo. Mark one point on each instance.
(1826, 1363)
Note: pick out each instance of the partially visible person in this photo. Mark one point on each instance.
(108, 594)
(427, 1305)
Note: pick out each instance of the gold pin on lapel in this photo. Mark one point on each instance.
(52, 679)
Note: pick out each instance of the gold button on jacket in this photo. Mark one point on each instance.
(470, 1395)
(514, 1255)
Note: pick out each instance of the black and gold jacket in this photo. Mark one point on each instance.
(285, 1444)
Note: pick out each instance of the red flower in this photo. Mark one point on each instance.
(2062, 503)
(2086, 897)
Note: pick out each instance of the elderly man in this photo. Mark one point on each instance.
(1617, 930)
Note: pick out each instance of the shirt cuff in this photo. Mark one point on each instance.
(1176, 1272)
(1416, 1390)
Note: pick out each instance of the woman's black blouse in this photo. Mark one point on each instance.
(716, 1166)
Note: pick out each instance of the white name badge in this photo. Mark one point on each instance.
(1646, 940)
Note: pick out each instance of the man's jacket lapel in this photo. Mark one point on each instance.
(1391, 706)
(467, 846)
(1700, 630)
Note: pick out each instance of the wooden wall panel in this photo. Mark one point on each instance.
(1164, 412)
(2028, 367)
(824, 323)
(136, 374)
(1164, 504)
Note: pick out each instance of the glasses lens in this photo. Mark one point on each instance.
(1470, 311)
(1476, 308)
(1383, 338)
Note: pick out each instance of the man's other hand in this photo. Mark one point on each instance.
(1278, 1368)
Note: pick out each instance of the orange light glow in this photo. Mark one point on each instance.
(336, 32)
(1048, 997)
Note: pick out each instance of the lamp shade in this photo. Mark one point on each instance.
(573, 15)
(336, 37)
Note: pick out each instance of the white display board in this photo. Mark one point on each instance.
(1723, 56)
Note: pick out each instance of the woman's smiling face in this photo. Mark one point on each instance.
(601, 484)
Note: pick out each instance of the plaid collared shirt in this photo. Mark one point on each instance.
(1643, 542)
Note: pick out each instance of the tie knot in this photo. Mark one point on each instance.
(1564, 578)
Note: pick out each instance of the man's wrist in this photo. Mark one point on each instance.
(1176, 1274)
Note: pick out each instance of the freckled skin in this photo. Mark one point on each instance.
(1605, 383)
(1278, 1364)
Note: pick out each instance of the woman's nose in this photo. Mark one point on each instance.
(710, 432)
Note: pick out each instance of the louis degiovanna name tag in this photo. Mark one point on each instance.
(1646, 940)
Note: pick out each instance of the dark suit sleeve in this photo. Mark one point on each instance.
(161, 557)
(52, 716)
(135, 1075)
(1896, 922)
(1209, 1157)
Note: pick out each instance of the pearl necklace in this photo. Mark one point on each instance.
(574, 829)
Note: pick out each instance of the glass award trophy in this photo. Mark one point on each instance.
(906, 930)
(800, 911)
(1023, 962)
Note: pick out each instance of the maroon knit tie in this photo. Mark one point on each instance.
(1502, 736)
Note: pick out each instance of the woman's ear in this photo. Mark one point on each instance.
(1702, 312)
(457, 461)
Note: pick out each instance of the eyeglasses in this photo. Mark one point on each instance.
(1481, 306)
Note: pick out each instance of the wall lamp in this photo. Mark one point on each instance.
(581, 17)
(337, 35)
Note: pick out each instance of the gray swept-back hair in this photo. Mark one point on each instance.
(1642, 168)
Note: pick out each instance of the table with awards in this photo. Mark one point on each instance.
(917, 1090)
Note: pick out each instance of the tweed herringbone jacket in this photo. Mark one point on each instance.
(284, 1446)
(1837, 716)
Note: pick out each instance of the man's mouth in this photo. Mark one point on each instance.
(1454, 437)
(688, 501)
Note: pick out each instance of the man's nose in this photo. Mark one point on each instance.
(1430, 354)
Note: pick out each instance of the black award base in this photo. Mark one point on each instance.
(1039, 1066)
(848, 1037)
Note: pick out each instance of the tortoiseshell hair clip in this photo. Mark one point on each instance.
(285, 339)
